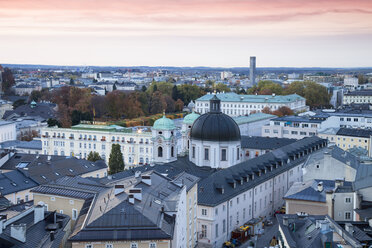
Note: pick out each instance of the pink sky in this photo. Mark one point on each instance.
(187, 32)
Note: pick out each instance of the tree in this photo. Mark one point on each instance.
(158, 103)
(114, 87)
(170, 104)
(175, 93)
(53, 122)
(266, 110)
(283, 111)
(8, 80)
(222, 88)
(94, 156)
(18, 103)
(189, 93)
(316, 95)
(72, 81)
(36, 96)
(116, 162)
(143, 89)
(178, 105)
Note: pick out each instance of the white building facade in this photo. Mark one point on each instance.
(233, 104)
(7, 131)
(80, 140)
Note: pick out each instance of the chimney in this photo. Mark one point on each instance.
(137, 193)
(137, 174)
(285, 220)
(52, 236)
(131, 199)
(320, 186)
(146, 179)
(18, 232)
(339, 182)
(119, 188)
(38, 213)
(324, 226)
(349, 228)
(49, 157)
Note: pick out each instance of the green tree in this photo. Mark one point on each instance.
(222, 88)
(114, 87)
(94, 156)
(8, 80)
(72, 81)
(164, 87)
(53, 122)
(316, 95)
(158, 103)
(18, 103)
(116, 162)
(36, 96)
(189, 93)
(175, 93)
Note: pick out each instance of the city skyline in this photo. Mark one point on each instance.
(187, 33)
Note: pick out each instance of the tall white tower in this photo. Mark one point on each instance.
(163, 137)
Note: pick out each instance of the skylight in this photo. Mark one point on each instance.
(22, 165)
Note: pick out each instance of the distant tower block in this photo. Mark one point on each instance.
(252, 70)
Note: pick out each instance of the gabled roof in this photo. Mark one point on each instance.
(264, 143)
(112, 217)
(43, 170)
(354, 132)
(15, 181)
(44, 110)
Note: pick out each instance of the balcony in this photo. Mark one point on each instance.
(103, 139)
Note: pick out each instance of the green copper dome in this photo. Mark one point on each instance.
(190, 118)
(164, 124)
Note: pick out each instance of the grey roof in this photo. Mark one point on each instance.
(293, 118)
(42, 170)
(112, 217)
(363, 178)
(308, 191)
(15, 181)
(44, 110)
(212, 180)
(264, 143)
(3, 123)
(36, 234)
(209, 188)
(354, 132)
(13, 144)
(336, 153)
(74, 187)
(307, 235)
(359, 93)
(186, 179)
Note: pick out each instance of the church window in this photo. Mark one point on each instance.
(206, 153)
(223, 155)
(160, 151)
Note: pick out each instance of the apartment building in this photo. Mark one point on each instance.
(347, 138)
(233, 104)
(358, 96)
(80, 140)
(292, 127)
(148, 211)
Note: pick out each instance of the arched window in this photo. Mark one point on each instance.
(160, 152)
(172, 151)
